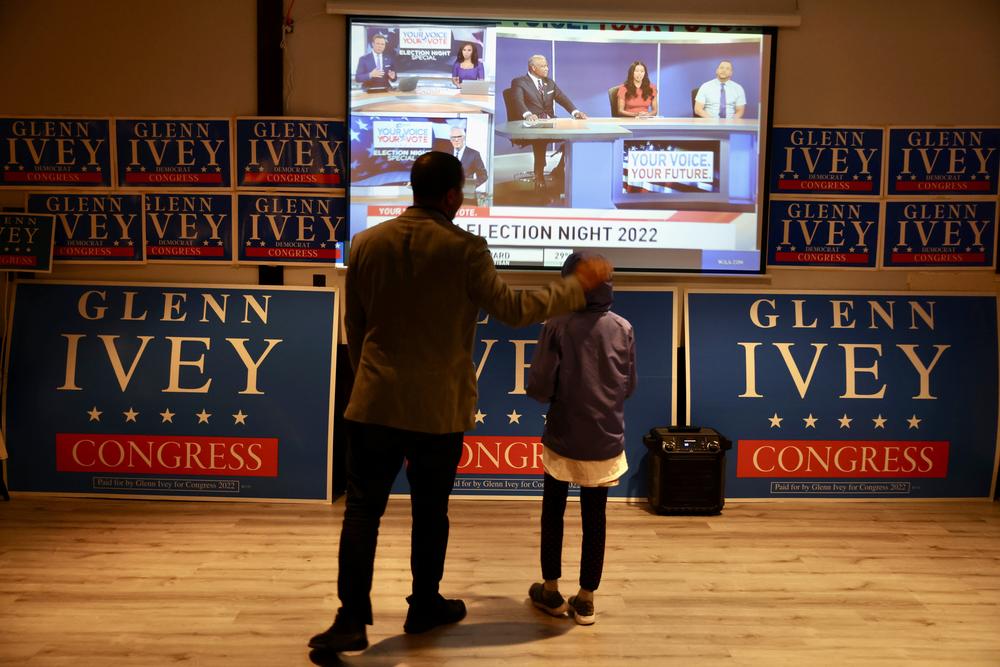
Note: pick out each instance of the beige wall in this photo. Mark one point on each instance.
(865, 62)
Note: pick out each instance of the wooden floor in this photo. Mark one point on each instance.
(113, 582)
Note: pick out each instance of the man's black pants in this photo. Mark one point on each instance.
(374, 456)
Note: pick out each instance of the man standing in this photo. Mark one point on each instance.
(375, 68)
(535, 96)
(472, 161)
(414, 288)
(721, 97)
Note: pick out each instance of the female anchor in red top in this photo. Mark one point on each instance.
(637, 96)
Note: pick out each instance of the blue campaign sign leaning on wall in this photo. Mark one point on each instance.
(847, 395)
(943, 160)
(940, 234)
(173, 153)
(502, 455)
(189, 227)
(51, 152)
(26, 242)
(171, 390)
(290, 153)
(105, 228)
(290, 228)
(835, 234)
(843, 161)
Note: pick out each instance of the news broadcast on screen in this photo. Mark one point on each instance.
(642, 142)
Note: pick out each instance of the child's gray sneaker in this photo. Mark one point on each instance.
(551, 602)
(583, 610)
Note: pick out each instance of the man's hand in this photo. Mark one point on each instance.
(579, 115)
(592, 271)
(376, 73)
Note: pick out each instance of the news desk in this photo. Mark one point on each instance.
(589, 150)
(421, 101)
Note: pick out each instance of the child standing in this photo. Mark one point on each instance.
(584, 365)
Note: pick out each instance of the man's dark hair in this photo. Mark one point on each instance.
(378, 35)
(433, 174)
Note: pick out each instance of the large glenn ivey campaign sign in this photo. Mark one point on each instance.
(221, 392)
(502, 455)
(847, 395)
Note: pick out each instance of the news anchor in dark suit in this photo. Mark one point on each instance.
(472, 161)
(535, 96)
(375, 69)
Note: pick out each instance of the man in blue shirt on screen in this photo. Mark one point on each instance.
(721, 97)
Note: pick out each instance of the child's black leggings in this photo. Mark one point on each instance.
(593, 503)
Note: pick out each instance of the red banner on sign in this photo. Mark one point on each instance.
(869, 459)
(60, 177)
(820, 185)
(157, 454)
(501, 455)
(291, 179)
(948, 186)
(827, 257)
(185, 251)
(178, 178)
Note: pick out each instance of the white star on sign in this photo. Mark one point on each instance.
(775, 420)
(914, 422)
(810, 421)
(203, 416)
(168, 416)
(480, 417)
(514, 417)
(845, 421)
(240, 418)
(879, 421)
(95, 414)
(130, 415)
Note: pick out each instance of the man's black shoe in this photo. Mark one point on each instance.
(344, 635)
(424, 616)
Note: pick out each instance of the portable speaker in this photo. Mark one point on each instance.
(687, 469)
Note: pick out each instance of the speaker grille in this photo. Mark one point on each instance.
(687, 482)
